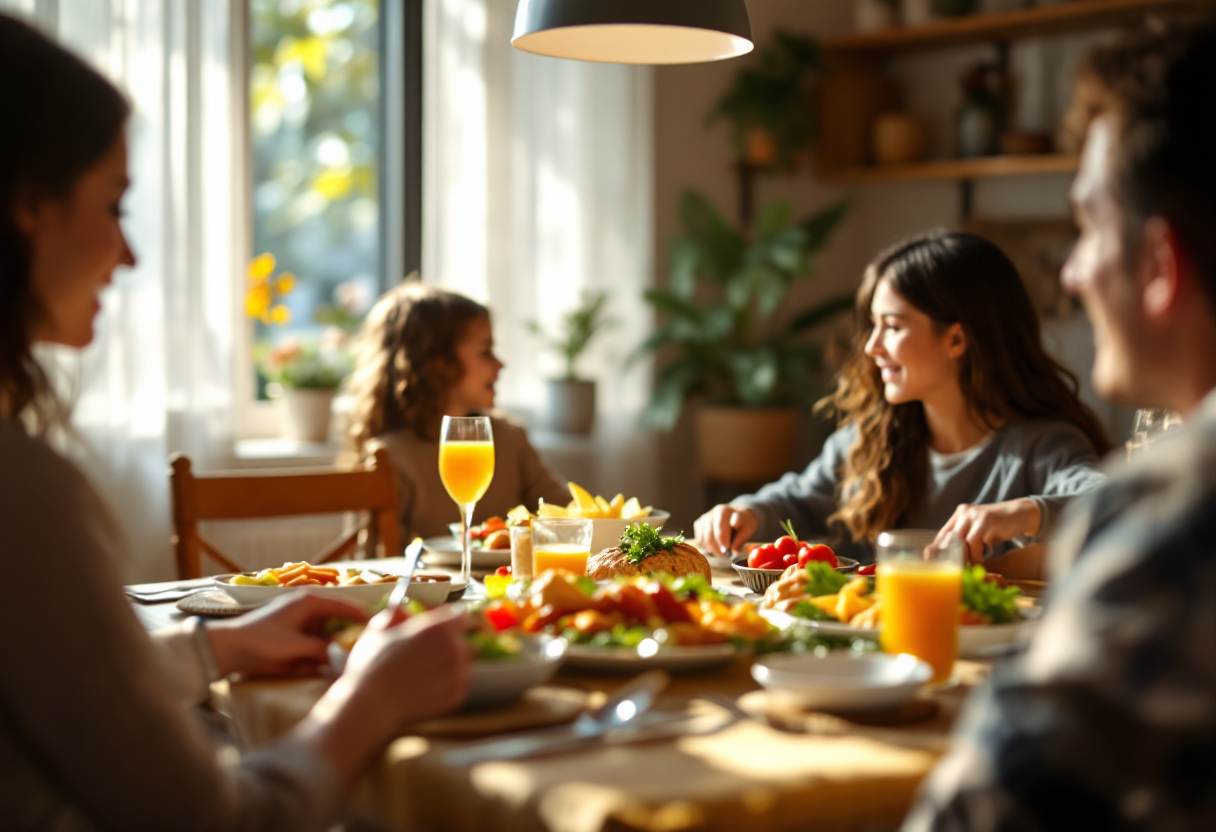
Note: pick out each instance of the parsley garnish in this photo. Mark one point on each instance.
(640, 541)
(987, 598)
(822, 579)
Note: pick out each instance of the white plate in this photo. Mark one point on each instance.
(445, 551)
(366, 594)
(973, 640)
(626, 659)
(842, 681)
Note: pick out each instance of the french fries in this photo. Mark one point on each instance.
(595, 507)
(302, 573)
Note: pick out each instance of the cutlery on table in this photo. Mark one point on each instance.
(622, 709)
(402, 588)
(167, 594)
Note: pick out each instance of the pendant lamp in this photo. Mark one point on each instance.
(634, 31)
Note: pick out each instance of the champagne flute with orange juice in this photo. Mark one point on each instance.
(466, 466)
(921, 586)
(561, 543)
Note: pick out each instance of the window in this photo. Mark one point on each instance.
(314, 116)
(334, 110)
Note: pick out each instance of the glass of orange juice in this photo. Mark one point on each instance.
(466, 466)
(561, 543)
(920, 582)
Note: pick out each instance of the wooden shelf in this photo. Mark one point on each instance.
(957, 169)
(1062, 17)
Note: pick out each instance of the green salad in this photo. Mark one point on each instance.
(996, 603)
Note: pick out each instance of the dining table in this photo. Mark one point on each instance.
(760, 765)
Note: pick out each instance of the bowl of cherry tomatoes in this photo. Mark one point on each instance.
(766, 562)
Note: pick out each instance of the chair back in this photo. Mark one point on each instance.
(244, 495)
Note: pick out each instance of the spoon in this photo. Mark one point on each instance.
(625, 705)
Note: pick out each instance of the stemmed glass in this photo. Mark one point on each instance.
(1150, 425)
(466, 466)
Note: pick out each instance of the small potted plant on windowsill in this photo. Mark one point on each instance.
(769, 105)
(303, 373)
(720, 341)
(571, 398)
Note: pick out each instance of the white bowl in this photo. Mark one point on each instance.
(606, 531)
(842, 681)
(499, 681)
(495, 682)
(431, 588)
(366, 594)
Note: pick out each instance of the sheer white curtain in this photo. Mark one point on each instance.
(538, 187)
(158, 376)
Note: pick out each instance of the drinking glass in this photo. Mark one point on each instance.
(920, 583)
(561, 543)
(521, 551)
(466, 466)
(1150, 425)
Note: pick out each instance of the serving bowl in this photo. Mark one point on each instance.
(495, 682)
(365, 594)
(842, 681)
(758, 580)
(606, 531)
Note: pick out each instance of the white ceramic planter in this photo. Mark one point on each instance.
(307, 414)
(571, 406)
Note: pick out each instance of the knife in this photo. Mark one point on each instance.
(628, 703)
(401, 590)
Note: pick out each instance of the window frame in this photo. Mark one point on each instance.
(400, 182)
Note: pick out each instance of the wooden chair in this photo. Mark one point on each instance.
(242, 495)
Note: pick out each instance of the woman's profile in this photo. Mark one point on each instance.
(951, 415)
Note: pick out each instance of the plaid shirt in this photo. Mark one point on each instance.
(1108, 720)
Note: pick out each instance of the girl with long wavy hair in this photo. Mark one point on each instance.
(98, 730)
(951, 416)
(425, 353)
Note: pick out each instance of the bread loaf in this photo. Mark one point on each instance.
(681, 559)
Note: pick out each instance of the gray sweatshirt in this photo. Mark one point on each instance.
(1049, 462)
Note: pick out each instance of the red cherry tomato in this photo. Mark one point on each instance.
(503, 570)
(786, 545)
(868, 569)
(501, 618)
(789, 560)
(764, 557)
(820, 552)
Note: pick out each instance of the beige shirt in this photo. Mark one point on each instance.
(94, 729)
(521, 477)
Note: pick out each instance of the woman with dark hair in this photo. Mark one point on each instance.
(425, 353)
(952, 416)
(95, 728)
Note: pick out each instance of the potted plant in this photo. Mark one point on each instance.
(769, 104)
(304, 373)
(571, 399)
(720, 338)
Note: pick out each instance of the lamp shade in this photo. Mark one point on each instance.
(634, 31)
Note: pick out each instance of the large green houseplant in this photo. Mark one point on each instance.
(725, 333)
